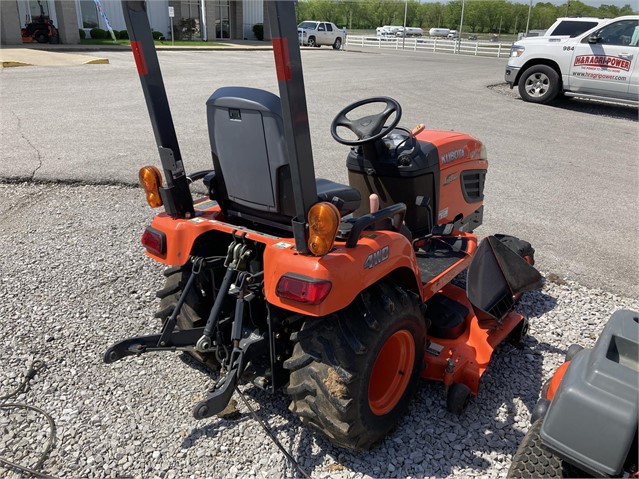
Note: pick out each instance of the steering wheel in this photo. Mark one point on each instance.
(368, 128)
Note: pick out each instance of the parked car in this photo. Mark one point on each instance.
(315, 34)
(600, 63)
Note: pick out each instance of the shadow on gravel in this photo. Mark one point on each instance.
(429, 441)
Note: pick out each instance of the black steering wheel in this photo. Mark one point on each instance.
(368, 128)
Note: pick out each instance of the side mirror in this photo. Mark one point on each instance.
(594, 39)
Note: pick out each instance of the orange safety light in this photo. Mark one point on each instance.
(151, 180)
(323, 221)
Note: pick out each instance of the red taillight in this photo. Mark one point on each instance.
(303, 289)
(154, 241)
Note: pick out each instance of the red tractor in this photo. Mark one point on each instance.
(295, 282)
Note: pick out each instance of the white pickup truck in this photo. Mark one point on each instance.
(600, 63)
(315, 34)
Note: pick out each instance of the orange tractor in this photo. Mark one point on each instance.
(295, 282)
(40, 30)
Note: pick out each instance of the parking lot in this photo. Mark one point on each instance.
(74, 278)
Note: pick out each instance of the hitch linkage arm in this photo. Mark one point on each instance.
(168, 339)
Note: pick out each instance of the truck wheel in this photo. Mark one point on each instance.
(354, 372)
(539, 84)
(532, 459)
(311, 42)
(195, 309)
(338, 44)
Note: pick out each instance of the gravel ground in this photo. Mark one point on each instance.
(74, 279)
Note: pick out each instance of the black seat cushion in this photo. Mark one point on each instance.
(327, 190)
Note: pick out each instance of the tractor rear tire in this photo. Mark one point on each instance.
(532, 459)
(195, 309)
(354, 372)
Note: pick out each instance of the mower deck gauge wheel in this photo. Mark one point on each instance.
(519, 332)
(457, 398)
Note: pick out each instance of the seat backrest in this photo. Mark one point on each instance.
(249, 154)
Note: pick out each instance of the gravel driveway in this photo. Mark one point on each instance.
(73, 279)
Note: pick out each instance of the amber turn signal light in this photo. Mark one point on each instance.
(323, 221)
(151, 181)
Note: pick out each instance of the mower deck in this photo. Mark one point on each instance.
(463, 359)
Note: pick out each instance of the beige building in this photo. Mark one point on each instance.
(206, 20)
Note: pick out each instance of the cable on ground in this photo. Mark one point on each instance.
(35, 367)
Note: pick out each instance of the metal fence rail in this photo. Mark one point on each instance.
(463, 47)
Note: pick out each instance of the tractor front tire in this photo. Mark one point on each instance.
(195, 309)
(354, 372)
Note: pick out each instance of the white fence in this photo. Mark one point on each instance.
(465, 47)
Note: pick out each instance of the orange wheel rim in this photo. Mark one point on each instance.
(391, 372)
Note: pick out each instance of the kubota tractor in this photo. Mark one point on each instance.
(340, 295)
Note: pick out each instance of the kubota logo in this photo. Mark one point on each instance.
(377, 257)
(452, 156)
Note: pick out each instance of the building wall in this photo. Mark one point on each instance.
(67, 24)
(243, 14)
(10, 23)
(158, 12)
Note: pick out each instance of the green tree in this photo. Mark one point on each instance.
(479, 15)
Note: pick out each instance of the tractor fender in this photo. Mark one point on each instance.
(350, 271)
(377, 255)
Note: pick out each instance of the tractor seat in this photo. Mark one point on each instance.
(252, 169)
(327, 190)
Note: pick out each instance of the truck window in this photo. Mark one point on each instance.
(329, 27)
(618, 33)
(572, 28)
(321, 27)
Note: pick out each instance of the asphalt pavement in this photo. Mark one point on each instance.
(563, 177)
